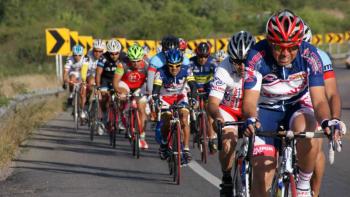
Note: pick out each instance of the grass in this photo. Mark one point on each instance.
(19, 124)
(4, 100)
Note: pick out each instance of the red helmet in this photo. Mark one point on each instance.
(285, 29)
(182, 44)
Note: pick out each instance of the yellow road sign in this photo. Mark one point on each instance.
(317, 39)
(347, 36)
(221, 44)
(123, 43)
(73, 37)
(333, 38)
(86, 42)
(57, 41)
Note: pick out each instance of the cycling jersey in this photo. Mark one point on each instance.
(282, 85)
(227, 86)
(203, 74)
(74, 68)
(173, 85)
(109, 66)
(156, 62)
(93, 63)
(134, 78)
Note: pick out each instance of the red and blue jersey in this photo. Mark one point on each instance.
(282, 85)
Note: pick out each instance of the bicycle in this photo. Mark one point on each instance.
(200, 125)
(95, 113)
(285, 179)
(76, 107)
(242, 173)
(133, 123)
(174, 143)
(112, 118)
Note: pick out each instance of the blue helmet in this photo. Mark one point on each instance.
(78, 50)
(174, 56)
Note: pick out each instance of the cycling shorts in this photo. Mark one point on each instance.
(167, 101)
(141, 90)
(272, 120)
(106, 84)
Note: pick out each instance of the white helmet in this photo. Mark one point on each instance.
(220, 55)
(240, 44)
(98, 44)
(114, 46)
(307, 33)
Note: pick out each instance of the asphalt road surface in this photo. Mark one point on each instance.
(56, 161)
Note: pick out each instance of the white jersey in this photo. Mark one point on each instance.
(73, 66)
(93, 63)
(228, 86)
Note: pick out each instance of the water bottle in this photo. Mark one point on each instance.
(158, 134)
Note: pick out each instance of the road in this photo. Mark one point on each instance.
(56, 161)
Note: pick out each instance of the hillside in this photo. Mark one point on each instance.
(23, 23)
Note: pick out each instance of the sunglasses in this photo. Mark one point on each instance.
(280, 48)
(203, 56)
(237, 61)
(76, 55)
(97, 51)
(174, 65)
(114, 54)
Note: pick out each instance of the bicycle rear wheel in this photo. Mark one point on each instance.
(76, 111)
(93, 119)
(179, 153)
(238, 174)
(204, 142)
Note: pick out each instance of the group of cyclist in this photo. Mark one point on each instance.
(282, 81)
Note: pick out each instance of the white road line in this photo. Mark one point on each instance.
(204, 173)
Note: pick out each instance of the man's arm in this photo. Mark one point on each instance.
(320, 103)
(333, 97)
(213, 108)
(250, 103)
(99, 71)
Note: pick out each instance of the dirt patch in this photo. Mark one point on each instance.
(12, 86)
(19, 124)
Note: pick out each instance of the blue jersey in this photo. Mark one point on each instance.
(282, 85)
(203, 74)
(173, 85)
(158, 61)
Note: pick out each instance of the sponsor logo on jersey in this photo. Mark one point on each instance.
(327, 67)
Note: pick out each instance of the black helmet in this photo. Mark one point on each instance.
(170, 42)
(203, 49)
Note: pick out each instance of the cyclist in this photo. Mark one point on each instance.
(225, 100)
(281, 70)
(72, 70)
(334, 101)
(220, 56)
(106, 68)
(203, 68)
(94, 55)
(169, 87)
(131, 77)
(159, 60)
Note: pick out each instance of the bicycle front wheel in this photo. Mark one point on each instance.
(203, 121)
(76, 111)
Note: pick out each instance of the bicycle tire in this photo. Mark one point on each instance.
(237, 178)
(110, 124)
(93, 119)
(179, 153)
(203, 141)
(76, 111)
(290, 187)
(173, 152)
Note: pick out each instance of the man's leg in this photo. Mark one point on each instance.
(307, 150)
(316, 179)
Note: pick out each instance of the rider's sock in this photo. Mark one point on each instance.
(304, 180)
(186, 148)
(143, 135)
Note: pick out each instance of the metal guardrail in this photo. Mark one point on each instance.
(24, 97)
